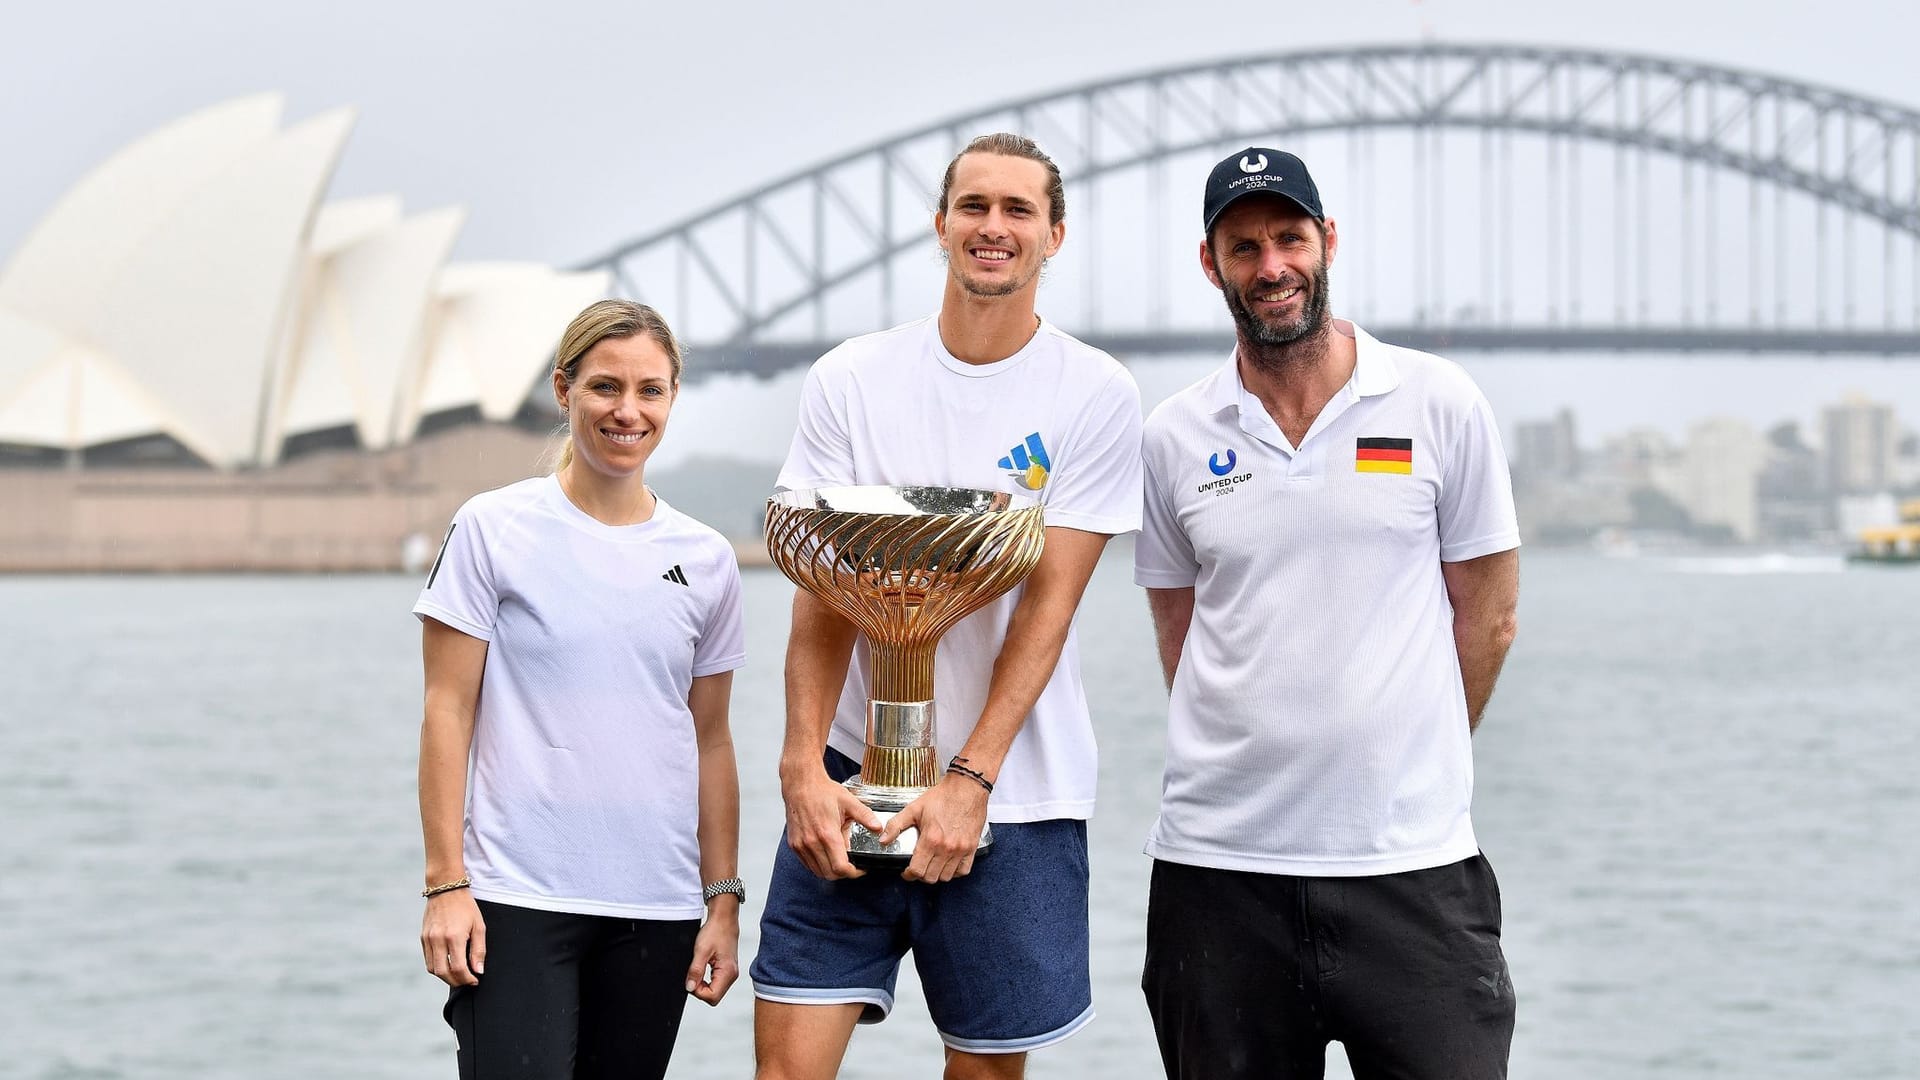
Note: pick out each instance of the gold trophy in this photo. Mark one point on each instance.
(903, 564)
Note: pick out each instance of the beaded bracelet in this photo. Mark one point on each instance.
(436, 890)
(958, 765)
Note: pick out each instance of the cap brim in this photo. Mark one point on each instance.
(1237, 196)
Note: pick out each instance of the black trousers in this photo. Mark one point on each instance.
(1251, 975)
(572, 996)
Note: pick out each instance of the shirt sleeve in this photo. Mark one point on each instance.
(821, 454)
(1097, 487)
(1163, 556)
(722, 645)
(460, 589)
(1476, 491)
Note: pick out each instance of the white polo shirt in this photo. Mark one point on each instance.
(1318, 723)
(584, 794)
(1060, 421)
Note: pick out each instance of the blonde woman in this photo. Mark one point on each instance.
(580, 642)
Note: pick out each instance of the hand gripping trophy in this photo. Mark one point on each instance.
(904, 564)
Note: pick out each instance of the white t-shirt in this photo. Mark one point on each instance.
(584, 789)
(1059, 420)
(1318, 724)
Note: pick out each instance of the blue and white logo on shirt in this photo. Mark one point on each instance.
(1226, 480)
(1028, 463)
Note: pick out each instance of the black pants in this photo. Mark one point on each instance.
(1251, 975)
(581, 996)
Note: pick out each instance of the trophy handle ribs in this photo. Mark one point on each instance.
(903, 578)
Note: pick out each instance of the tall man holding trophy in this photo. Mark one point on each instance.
(909, 443)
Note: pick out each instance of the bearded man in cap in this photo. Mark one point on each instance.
(1330, 555)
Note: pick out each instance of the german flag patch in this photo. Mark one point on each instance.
(1383, 455)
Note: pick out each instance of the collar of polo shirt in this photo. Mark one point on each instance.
(1374, 372)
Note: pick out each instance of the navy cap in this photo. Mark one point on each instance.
(1258, 170)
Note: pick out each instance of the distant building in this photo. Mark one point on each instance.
(1906, 464)
(1859, 438)
(1793, 506)
(191, 301)
(1546, 449)
(1729, 483)
(1857, 513)
(1643, 457)
(1720, 476)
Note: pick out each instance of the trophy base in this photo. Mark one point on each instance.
(864, 848)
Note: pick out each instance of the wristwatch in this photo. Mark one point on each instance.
(726, 885)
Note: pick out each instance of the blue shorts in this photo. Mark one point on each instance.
(1002, 953)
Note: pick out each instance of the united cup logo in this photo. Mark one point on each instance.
(1250, 167)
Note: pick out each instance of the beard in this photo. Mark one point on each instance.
(1256, 331)
(1004, 287)
(973, 286)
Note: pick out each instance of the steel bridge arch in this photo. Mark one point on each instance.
(1856, 153)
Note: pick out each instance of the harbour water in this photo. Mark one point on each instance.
(1698, 788)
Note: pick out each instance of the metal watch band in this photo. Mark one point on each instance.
(727, 885)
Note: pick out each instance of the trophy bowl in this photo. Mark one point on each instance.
(903, 564)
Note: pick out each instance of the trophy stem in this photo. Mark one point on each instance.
(902, 672)
(900, 749)
(903, 767)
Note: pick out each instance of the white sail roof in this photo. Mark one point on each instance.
(360, 346)
(192, 285)
(195, 310)
(61, 272)
(72, 397)
(496, 325)
(26, 347)
(348, 221)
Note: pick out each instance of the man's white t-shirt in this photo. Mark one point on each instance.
(584, 788)
(1318, 725)
(1058, 420)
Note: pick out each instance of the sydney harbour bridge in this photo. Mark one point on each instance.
(1488, 197)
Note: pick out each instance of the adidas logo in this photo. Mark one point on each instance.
(1028, 464)
(676, 576)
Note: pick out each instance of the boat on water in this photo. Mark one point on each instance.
(1892, 543)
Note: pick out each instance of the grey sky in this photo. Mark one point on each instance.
(567, 127)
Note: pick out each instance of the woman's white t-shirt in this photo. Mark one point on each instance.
(584, 789)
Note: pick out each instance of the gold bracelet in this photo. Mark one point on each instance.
(436, 890)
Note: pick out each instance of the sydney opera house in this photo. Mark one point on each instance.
(206, 364)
